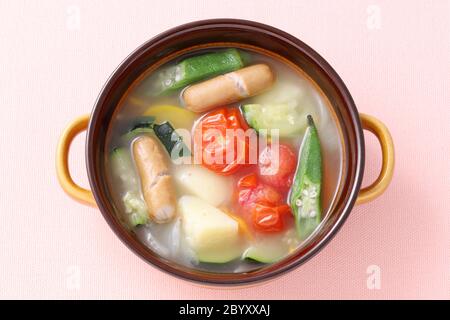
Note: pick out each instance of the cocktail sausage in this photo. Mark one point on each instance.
(228, 88)
(156, 182)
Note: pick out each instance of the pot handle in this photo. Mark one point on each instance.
(78, 193)
(381, 132)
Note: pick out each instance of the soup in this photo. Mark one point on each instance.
(223, 160)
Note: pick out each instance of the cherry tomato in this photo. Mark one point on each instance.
(221, 151)
(268, 218)
(261, 204)
(248, 181)
(277, 166)
(252, 192)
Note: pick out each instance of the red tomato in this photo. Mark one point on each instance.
(248, 181)
(221, 151)
(277, 166)
(268, 218)
(261, 204)
(252, 192)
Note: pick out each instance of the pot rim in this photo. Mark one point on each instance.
(247, 25)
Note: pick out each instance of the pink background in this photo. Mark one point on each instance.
(394, 58)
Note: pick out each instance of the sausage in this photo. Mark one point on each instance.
(228, 88)
(156, 182)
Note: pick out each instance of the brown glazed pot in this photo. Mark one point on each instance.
(253, 36)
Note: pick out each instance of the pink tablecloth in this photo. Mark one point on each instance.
(393, 56)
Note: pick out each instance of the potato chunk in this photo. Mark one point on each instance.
(210, 232)
(200, 182)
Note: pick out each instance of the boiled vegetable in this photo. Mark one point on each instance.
(272, 248)
(281, 108)
(123, 170)
(269, 218)
(143, 125)
(198, 181)
(243, 226)
(197, 68)
(165, 132)
(221, 152)
(228, 88)
(264, 118)
(276, 164)
(211, 233)
(265, 252)
(156, 182)
(251, 191)
(135, 208)
(143, 122)
(261, 204)
(305, 198)
(171, 140)
(177, 116)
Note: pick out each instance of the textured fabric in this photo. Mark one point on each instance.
(56, 55)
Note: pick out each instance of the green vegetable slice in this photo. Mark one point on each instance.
(171, 140)
(264, 253)
(144, 125)
(264, 117)
(124, 172)
(135, 208)
(283, 107)
(165, 132)
(143, 122)
(305, 196)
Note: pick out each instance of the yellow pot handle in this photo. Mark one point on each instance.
(62, 164)
(375, 126)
